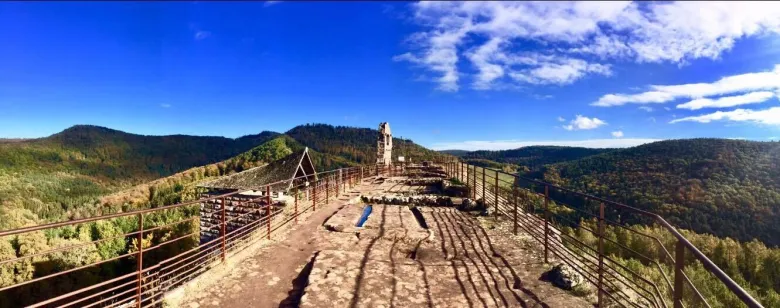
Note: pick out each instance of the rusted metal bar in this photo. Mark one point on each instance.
(474, 180)
(223, 227)
(679, 263)
(514, 195)
(140, 259)
(268, 209)
(601, 255)
(296, 205)
(546, 222)
(484, 186)
(496, 194)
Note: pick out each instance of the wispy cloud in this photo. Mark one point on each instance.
(513, 144)
(574, 39)
(769, 116)
(646, 108)
(202, 35)
(584, 123)
(728, 101)
(165, 105)
(561, 119)
(617, 134)
(749, 82)
(270, 3)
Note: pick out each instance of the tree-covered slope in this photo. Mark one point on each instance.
(48, 178)
(181, 186)
(354, 144)
(114, 155)
(532, 157)
(457, 153)
(729, 188)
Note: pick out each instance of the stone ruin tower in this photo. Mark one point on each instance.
(384, 145)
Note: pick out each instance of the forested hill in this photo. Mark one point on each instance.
(112, 155)
(63, 176)
(458, 153)
(717, 186)
(355, 144)
(532, 157)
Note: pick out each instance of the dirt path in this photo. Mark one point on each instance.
(458, 263)
(271, 276)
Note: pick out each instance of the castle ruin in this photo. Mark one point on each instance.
(384, 145)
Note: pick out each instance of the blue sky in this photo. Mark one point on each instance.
(447, 75)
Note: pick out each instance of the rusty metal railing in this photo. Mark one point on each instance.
(162, 254)
(544, 211)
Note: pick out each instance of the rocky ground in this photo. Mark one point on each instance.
(459, 260)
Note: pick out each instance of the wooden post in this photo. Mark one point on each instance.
(327, 190)
(268, 210)
(546, 223)
(140, 258)
(601, 256)
(679, 263)
(314, 199)
(296, 205)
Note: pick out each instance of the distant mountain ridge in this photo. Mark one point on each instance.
(532, 157)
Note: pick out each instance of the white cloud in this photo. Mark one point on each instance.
(488, 34)
(514, 144)
(584, 123)
(561, 119)
(646, 108)
(773, 138)
(769, 116)
(617, 134)
(200, 35)
(728, 101)
(563, 72)
(749, 82)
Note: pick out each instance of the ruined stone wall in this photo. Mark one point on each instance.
(238, 213)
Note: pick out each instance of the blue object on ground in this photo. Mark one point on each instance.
(364, 217)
